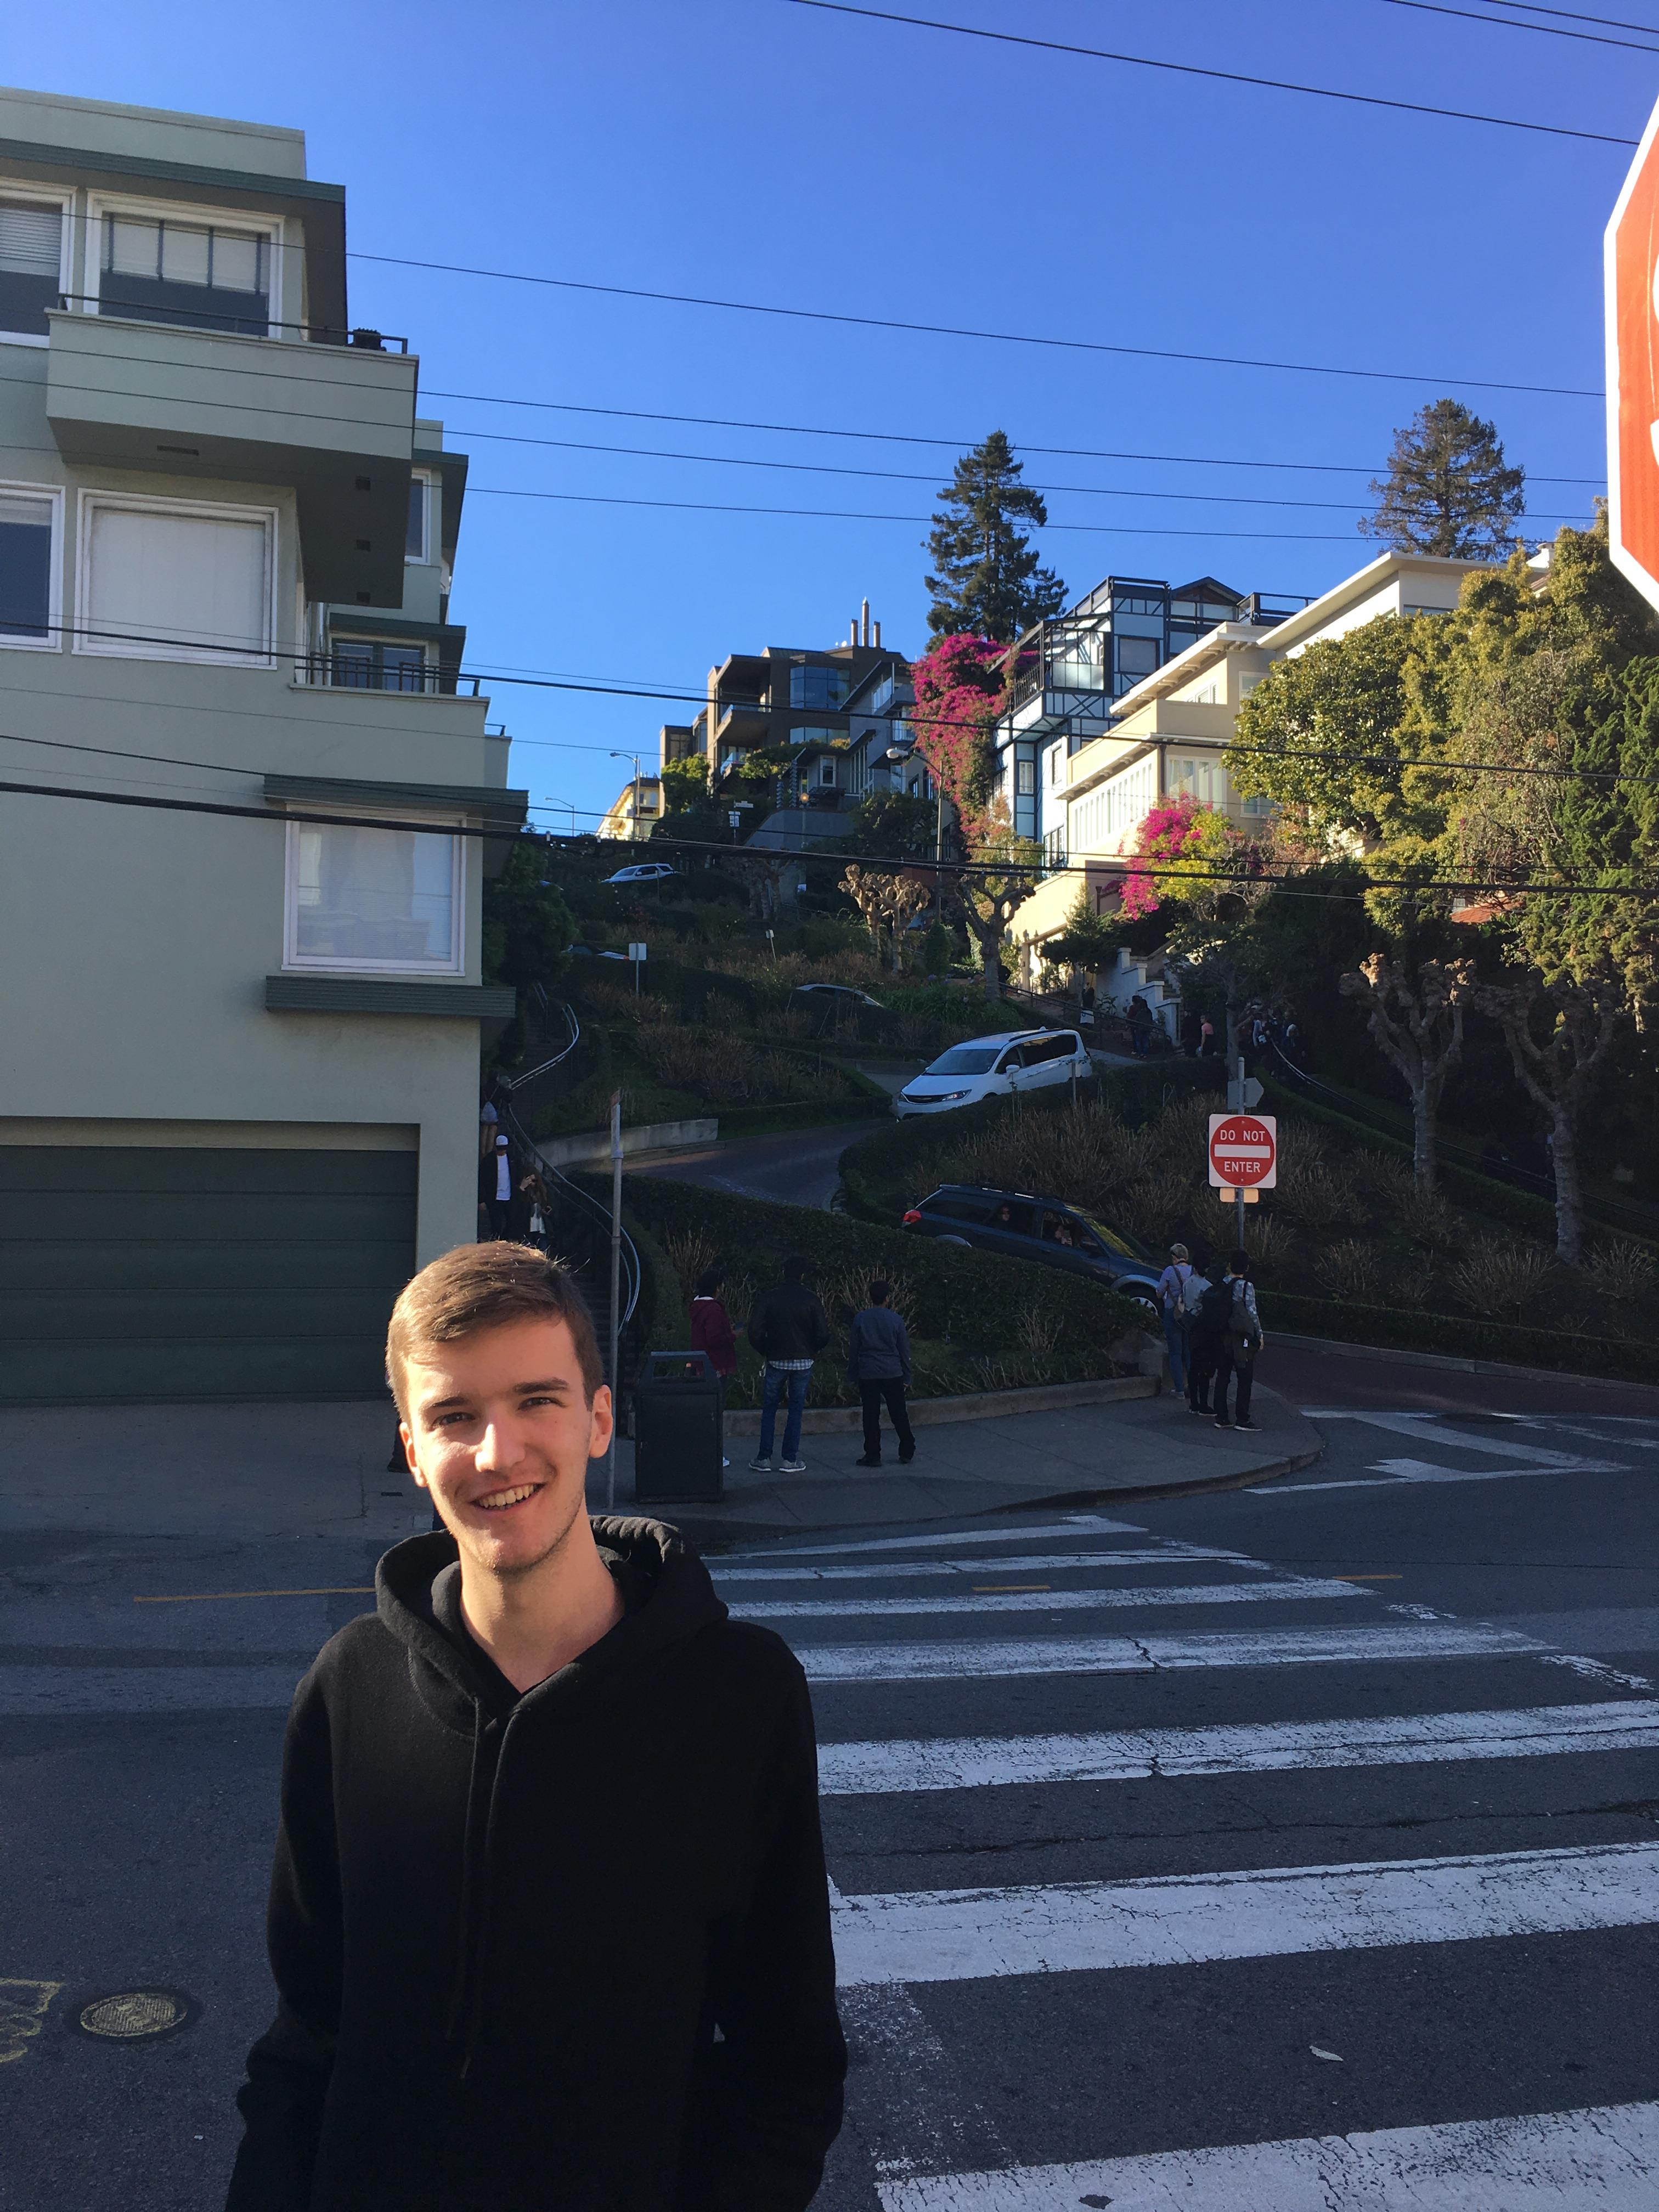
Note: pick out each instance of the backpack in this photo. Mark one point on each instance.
(1189, 1298)
(1215, 1308)
(1244, 1332)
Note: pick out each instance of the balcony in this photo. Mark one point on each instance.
(334, 423)
(741, 722)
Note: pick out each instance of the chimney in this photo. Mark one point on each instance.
(878, 638)
(866, 622)
(854, 638)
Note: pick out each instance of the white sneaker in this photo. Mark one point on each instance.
(761, 1466)
(792, 1467)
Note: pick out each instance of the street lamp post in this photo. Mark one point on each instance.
(634, 828)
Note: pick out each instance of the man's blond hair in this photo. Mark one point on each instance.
(483, 1287)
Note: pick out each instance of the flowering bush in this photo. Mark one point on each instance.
(960, 688)
(1179, 830)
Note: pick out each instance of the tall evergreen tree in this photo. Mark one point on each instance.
(987, 581)
(1449, 490)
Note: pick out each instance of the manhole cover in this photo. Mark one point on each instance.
(136, 2015)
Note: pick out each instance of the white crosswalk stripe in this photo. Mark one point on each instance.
(1542, 2162)
(1293, 1701)
(846, 1770)
(1045, 1600)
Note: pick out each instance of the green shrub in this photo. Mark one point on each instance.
(1457, 1335)
(977, 1302)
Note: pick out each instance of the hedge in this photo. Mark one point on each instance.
(896, 1159)
(966, 1297)
(1460, 1336)
(1481, 1194)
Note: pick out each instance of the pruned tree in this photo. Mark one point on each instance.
(1416, 1018)
(1449, 490)
(761, 878)
(1004, 872)
(1558, 1070)
(988, 580)
(888, 902)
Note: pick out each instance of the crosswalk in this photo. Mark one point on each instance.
(1052, 1836)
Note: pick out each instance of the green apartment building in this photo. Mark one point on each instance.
(239, 1050)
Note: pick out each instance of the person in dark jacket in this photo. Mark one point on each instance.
(788, 1328)
(495, 1186)
(548, 1921)
(878, 1362)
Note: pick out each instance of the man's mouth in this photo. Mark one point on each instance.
(503, 1501)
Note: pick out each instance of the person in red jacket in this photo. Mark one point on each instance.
(711, 1325)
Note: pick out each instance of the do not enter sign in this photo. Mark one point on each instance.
(1632, 253)
(1244, 1152)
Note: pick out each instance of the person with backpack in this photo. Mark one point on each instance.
(1203, 1328)
(878, 1366)
(1241, 1338)
(1170, 1285)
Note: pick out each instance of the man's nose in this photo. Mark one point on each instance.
(500, 1448)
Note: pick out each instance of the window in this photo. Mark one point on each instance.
(29, 569)
(962, 1209)
(170, 581)
(1025, 778)
(1138, 656)
(1199, 778)
(1099, 822)
(816, 687)
(200, 275)
(373, 898)
(362, 664)
(31, 265)
(415, 541)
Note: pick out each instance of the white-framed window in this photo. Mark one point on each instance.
(175, 580)
(383, 900)
(826, 771)
(34, 264)
(417, 541)
(198, 268)
(31, 566)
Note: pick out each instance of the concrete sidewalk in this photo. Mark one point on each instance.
(1139, 1447)
(217, 1475)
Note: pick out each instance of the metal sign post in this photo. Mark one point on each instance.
(616, 1293)
(636, 954)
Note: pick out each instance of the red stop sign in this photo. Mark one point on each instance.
(1244, 1150)
(1632, 264)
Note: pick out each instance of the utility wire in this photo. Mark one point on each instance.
(1571, 14)
(958, 330)
(1505, 22)
(993, 867)
(912, 438)
(1221, 76)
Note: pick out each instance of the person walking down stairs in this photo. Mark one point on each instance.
(879, 1363)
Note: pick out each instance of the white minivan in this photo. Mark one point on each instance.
(992, 1067)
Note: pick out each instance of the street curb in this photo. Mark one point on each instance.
(975, 1406)
(1451, 1360)
(1146, 1492)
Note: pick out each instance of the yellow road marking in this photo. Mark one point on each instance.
(1006, 1589)
(207, 1598)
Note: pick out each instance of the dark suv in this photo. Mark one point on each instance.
(1028, 1227)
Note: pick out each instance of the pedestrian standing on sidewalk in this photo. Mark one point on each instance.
(711, 1326)
(788, 1328)
(495, 1186)
(1170, 1285)
(878, 1362)
(548, 1919)
(1204, 1329)
(1240, 1341)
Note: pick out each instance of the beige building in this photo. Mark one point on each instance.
(1168, 735)
(238, 1095)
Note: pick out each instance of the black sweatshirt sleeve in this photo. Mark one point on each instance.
(288, 2068)
(778, 2075)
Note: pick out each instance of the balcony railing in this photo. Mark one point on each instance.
(346, 672)
(186, 319)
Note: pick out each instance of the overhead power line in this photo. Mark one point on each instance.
(959, 330)
(912, 476)
(896, 861)
(1507, 23)
(1216, 76)
(1571, 14)
(916, 438)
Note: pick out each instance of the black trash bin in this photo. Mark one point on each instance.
(678, 1429)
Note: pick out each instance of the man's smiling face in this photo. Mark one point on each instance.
(499, 1431)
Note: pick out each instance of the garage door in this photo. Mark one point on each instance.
(132, 1272)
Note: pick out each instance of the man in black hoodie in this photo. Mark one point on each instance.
(549, 1920)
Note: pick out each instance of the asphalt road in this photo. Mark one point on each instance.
(1333, 1832)
(801, 1167)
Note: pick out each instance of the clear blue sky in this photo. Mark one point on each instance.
(758, 150)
